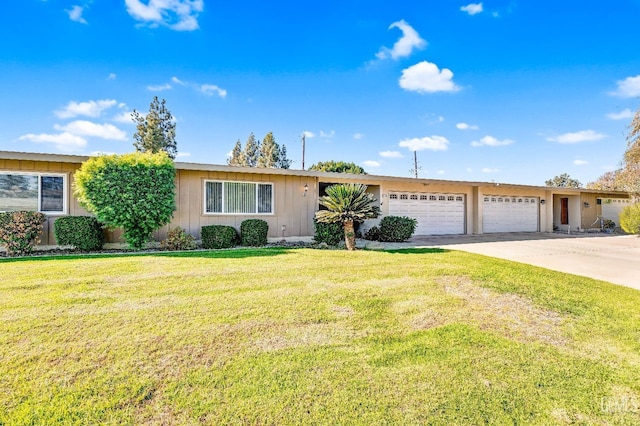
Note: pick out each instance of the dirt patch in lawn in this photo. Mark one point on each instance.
(512, 315)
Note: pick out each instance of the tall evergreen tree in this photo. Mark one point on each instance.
(283, 161)
(251, 151)
(237, 156)
(155, 131)
(269, 152)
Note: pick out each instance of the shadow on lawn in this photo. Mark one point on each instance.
(240, 253)
(418, 251)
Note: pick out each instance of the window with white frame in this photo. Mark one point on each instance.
(238, 197)
(43, 192)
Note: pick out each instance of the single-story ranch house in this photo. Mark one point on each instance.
(208, 194)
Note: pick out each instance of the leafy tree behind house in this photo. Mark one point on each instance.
(606, 182)
(627, 177)
(563, 181)
(347, 204)
(155, 131)
(338, 167)
(135, 192)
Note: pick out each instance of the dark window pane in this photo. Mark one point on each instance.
(265, 197)
(52, 194)
(214, 197)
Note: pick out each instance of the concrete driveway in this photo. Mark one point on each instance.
(612, 258)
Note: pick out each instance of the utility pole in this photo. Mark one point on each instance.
(303, 143)
(415, 165)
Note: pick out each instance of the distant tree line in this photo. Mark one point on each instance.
(259, 154)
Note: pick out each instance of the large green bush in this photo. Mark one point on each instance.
(630, 219)
(219, 236)
(328, 233)
(20, 231)
(396, 228)
(135, 192)
(81, 232)
(253, 232)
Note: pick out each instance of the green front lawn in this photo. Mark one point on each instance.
(278, 336)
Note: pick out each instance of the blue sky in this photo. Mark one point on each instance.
(510, 91)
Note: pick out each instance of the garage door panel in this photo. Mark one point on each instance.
(510, 214)
(436, 214)
(612, 207)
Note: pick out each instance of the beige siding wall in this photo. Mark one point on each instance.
(73, 208)
(293, 208)
(589, 211)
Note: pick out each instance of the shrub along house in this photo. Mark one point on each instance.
(208, 194)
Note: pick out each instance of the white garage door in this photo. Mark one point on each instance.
(437, 214)
(612, 207)
(509, 214)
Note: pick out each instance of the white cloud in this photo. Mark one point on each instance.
(179, 15)
(211, 89)
(178, 81)
(440, 172)
(472, 8)
(307, 134)
(465, 126)
(63, 141)
(87, 128)
(577, 137)
(358, 136)
(628, 88)
(112, 76)
(404, 46)
(185, 154)
(491, 141)
(622, 115)
(75, 14)
(391, 154)
(89, 109)
(123, 117)
(489, 170)
(580, 162)
(159, 87)
(432, 143)
(371, 163)
(425, 77)
(327, 135)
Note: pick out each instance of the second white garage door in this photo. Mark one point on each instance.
(437, 214)
(509, 214)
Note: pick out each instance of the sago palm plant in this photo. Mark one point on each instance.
(346, 204)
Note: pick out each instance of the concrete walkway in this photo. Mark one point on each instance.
(612, 258)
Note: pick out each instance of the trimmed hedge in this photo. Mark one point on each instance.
(179, 239)
(20, 231)
(81, 232)
(393, 229)
(219, 236)
(253, 232)
(328, 233)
